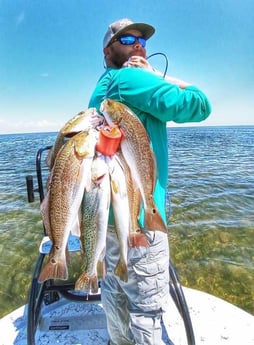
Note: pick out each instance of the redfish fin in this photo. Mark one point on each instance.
(154, 221)
(87, 283)
(54, 270)
(50, 157)
(44, 209)
(121, 271)
(101, 269)
(138, 239)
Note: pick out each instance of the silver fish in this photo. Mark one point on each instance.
(120, 204)
(95, 210)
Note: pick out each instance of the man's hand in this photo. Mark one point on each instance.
(97, 121)
(138, 61)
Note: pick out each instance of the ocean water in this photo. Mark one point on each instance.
(210, 206)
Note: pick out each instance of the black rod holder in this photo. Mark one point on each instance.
(30, 188)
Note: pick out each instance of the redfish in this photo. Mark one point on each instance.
(69, 178)
(136, 237)
(139, 156)
(80, 122)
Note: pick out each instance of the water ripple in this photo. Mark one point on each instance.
(210, 203)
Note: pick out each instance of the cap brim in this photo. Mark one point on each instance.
(146, 30)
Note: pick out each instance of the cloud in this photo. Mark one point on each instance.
(29, 126)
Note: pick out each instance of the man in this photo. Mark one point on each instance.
(134, 309)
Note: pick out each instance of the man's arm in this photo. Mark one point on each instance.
(149, 93)
(139, 61)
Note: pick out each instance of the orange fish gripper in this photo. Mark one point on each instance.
(109, 140)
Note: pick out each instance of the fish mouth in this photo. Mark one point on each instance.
(71, 134)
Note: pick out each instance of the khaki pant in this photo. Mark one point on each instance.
(134, 309)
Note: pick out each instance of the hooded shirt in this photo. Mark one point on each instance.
(155, 101)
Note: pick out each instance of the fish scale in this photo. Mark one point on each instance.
(120, 205)
(79, 123)
(69, 177)
(136, 237)
(95, 210)
(138, 154)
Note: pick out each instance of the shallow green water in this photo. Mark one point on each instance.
(210, 204)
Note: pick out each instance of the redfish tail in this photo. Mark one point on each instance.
(94, 284)
(138, 239)
(121, 271)
(54, 270)
(101, 269)
(154, 221)
(67, 255)
(87, 283)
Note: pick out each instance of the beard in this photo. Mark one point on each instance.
(118, 58)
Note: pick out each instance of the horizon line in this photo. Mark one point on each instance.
(177, 126)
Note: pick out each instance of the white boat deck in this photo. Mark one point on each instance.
(215, 322)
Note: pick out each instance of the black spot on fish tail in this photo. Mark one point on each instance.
(54, 269)
(154, 221)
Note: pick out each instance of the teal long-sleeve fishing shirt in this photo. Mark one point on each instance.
(155, 101)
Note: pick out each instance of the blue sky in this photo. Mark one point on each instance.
(51, 55)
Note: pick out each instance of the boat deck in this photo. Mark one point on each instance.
(215, 322)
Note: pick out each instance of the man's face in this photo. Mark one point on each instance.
(117, 53)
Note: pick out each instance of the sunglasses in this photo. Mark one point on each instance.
(130, 39)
